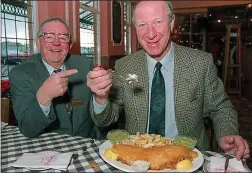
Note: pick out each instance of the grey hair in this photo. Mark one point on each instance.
(169, 7)
(52, 20)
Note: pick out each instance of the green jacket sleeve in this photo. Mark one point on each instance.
(217, 103)
(31, 118)
(111, 113)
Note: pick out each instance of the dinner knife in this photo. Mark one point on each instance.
(226, 163)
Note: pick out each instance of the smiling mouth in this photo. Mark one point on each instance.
(152, 43)
(55, 50)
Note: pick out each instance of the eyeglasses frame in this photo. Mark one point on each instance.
(56, 34)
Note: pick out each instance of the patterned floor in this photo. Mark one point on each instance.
(244, 110)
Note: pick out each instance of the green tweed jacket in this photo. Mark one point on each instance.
(28, 77)
(198, 93)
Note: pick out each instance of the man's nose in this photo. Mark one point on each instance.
(151, 32)
(56, 41)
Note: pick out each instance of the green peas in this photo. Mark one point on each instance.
(117, 135)
(188, 142)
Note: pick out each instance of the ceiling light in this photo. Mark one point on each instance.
(219, 21)
(236, 17)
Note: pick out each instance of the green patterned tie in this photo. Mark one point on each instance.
(157, 104)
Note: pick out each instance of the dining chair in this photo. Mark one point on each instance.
(5, 109)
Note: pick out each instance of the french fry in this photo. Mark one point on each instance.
(146, 140)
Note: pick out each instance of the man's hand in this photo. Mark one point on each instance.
(235, 145)
(100, 82)
(56, 85)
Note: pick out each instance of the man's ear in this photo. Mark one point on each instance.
(172, 23)
(70, 44)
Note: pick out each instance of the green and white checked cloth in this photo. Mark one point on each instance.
(14, 144)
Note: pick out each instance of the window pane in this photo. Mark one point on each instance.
(9, 16)
(88, 29)
(3, 28)
(27, 31)
(87, 42)
(3, 47)
(21, 46)
(10, 28)
(21, 30)
(20, 18)
(15, 43)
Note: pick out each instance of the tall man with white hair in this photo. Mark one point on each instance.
(177, 87)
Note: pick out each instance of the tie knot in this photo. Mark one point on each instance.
(158, 65)
(58, 70)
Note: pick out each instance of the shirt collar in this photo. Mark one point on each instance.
(51, 69)
(166, 61)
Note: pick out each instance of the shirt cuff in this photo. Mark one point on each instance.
(46, 109)
(97, 107)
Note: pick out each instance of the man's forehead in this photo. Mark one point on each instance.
(150, 3)
(150, 7)
(54, 26)
(147, 11)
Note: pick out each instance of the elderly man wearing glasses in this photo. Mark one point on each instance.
(49, 89)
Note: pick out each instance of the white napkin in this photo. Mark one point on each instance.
(3, 124)
(217, 164)
(44, 160)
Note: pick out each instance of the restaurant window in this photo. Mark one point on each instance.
(90, 29)
(17, 38)
(188, 32)
(127, 27)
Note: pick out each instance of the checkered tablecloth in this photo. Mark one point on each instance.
(14, 144)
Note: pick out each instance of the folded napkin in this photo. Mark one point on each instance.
(217, 164)
(3, 125)
(44, 160)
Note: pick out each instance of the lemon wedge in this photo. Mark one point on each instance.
(109, 154)
(184, 164)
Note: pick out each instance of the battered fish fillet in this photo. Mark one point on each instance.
(160, 157)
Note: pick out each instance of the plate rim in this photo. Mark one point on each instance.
(127, 168)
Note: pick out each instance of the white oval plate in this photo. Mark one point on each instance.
(197, 162)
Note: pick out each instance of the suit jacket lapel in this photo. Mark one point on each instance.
(181, 87)
(141, 97)
(41, 71)
(68, 64)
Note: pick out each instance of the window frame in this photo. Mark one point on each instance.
(29, 21)
(96, 17)
(127, 27)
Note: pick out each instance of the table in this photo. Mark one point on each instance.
(14, 144)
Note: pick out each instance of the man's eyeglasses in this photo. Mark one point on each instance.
(50, 37)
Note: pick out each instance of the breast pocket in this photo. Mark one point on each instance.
(195, 101)
(194, 94)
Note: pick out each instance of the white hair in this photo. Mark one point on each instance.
(169, 7)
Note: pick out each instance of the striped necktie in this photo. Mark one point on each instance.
(66, 99)
(157, 104)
